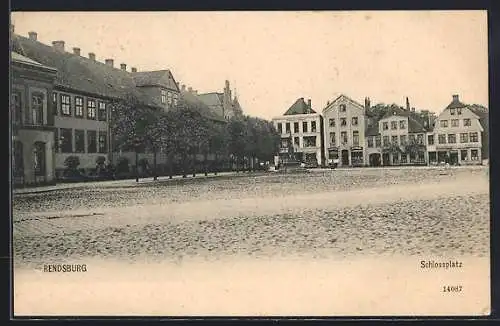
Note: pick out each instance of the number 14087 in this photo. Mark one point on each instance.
(454, 288)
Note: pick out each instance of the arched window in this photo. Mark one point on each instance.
(17, 161)
(39, 159)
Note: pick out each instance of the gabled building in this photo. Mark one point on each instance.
(301, 127)
(222, 104)
(458, 134)
(344, 134)
(32, 120)
(159, 87)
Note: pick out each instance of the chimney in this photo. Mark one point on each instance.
(367, 102)
(109, 62)
(123, 66)
(190, 89)
(407, 104)
(183, 87)
(58, 45)
(195, 92)
(455, 98)
(412, 109)
(309, 103)
(134, 69)
(76, 51)
(92, 56)
(32, 36)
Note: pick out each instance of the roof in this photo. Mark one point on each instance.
(299, 107)
(483, 114)
(415, 126)
(455, 103)
(16, 57)
(161, 78)
(395, 110)
(212, 99)
(79, 73)
(204, 109)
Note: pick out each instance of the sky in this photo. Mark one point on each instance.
(274, 58)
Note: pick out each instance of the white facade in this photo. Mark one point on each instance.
(344, 132)
(456, 137)
(305, 130)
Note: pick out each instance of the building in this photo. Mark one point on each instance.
(458, 134)
(222, 104)
(82, 93)
(32, 121)
(302, 127)
(344, 131)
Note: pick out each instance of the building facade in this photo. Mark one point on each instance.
(344, 132)
(32, 121)
(457, 136)
(302, 127)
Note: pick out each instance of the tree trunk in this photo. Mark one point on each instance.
(216, 164)
(155, 174)
(170, 165)
(194, 165)
(205, 163)
(136, 165)
(184, 159)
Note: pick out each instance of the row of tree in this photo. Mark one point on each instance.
(188, 131)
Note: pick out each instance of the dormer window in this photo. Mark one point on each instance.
(342, 108)
(452, 111)
(459, 110)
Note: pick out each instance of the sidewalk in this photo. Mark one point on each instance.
(114, 183)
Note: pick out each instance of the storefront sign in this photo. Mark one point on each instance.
(356, 148)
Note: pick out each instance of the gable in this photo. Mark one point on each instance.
(343, 99)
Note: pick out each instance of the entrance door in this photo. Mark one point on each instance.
(345, 157)
(385, 159)
(375, 159)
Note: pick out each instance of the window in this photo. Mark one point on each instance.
(452, 111)
(442, 139)
(378, 141)
(342, 108)
(395, 159)
(304, 126)
(176, 98)
(370, 142)
(79, 107)
(169, 98)
(280, 128)
(313, 126)
(459, 110)
(385, 125)
(420, 139)
(355, 121)
(474, 154)
(39, 158)
(66, 140)
(355, 138)
(287, 127)
(309, 141)
(464, 137)
(37, 108)
(102, 111)
(343, 122)
(343, 137)
(394, 125)
(463, 155)
(91, 141)
(403, 139)
(296, 141)
(452, 138)
(467, 123)
(296, 127)
(404, 159)
(443, 123)
(454, 122)
(474, 138)
(16, 108)
(79, 141)
(103, 142)
(163, 96)
(402, 124)
(91, 114)
(332, 139)
(386, 141)
(394, 140)
(412, 139)
(54, 103)
(430, 139)
(332, 122)
(65, 104)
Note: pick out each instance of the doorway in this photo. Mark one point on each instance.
(374, 159)
(454, 158)
(385, 159)
(345, 157)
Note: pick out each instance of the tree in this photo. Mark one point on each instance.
(236, 130)
(218, 142)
